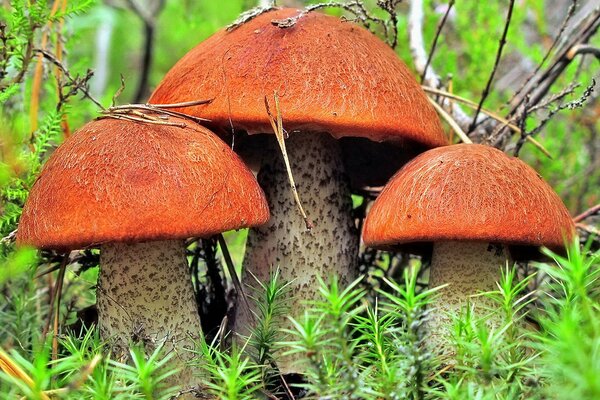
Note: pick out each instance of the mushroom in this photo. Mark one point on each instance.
(334, 80)
(478, 206)
(137, 190)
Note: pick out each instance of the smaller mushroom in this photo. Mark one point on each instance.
(471, 201)
(137, 191)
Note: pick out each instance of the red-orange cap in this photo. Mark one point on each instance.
(468, 192)
(330, 75)
(119, 180)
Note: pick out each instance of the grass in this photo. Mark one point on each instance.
(352, 345)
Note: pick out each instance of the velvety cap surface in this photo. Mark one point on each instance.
(468, 192)
(331, 75)
(118, 180)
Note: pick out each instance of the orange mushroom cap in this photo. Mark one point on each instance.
(119, 180)
(468, 192)
(330, 75)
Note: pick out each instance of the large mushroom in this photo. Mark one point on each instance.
(477, 206)
(335, 80)
(137, 190)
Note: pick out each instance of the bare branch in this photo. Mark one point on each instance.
(501, 45)
(587, 213)
(435, 39)
(148, 17)
(558, 37)
(80, 84)
(583, 49)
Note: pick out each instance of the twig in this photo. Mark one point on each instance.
(587, 213)
(128, 117)
(181, 105)
(435, 39)
(58, 297)
(583, 49)
(419, 56)
(577, 103)
(488, 86)
(10, 238)
(541, 85)
(558, 36)
(417, 46)
(277, 125)
(491, 114)
(130, 112)
(234, 277)
(38, 70)
(83, 88)
(148, 17)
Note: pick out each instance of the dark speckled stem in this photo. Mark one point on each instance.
(468, 268)
(331, 247)
(145, 295)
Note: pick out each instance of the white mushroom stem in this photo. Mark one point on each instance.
(468, 268)
(145, 295)
(330, 248)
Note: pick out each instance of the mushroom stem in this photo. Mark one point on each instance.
(468, 268)
(329, 248)
(145, 295)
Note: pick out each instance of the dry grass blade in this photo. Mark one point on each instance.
(182, 104)
(453, 124)
(277, 125)
(130, 111)
(11, 368)
(489, 113)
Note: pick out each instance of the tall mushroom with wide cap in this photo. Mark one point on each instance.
(334, 81)
(478, 207)
(136, 191)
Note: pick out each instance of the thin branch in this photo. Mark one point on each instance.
(491, 114)
(541, 85)
(583, 49)
(435, 39)
(501, 45)
(558, 36)
(75, 81)
(587, 213)
(148, 17)
(153, 113)
(417, 46)
(577, 103)
(419, 56)
(58, 296)
(234, 277)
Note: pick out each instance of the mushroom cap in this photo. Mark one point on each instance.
(468, 192)
(330, 75)
(124, 181)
